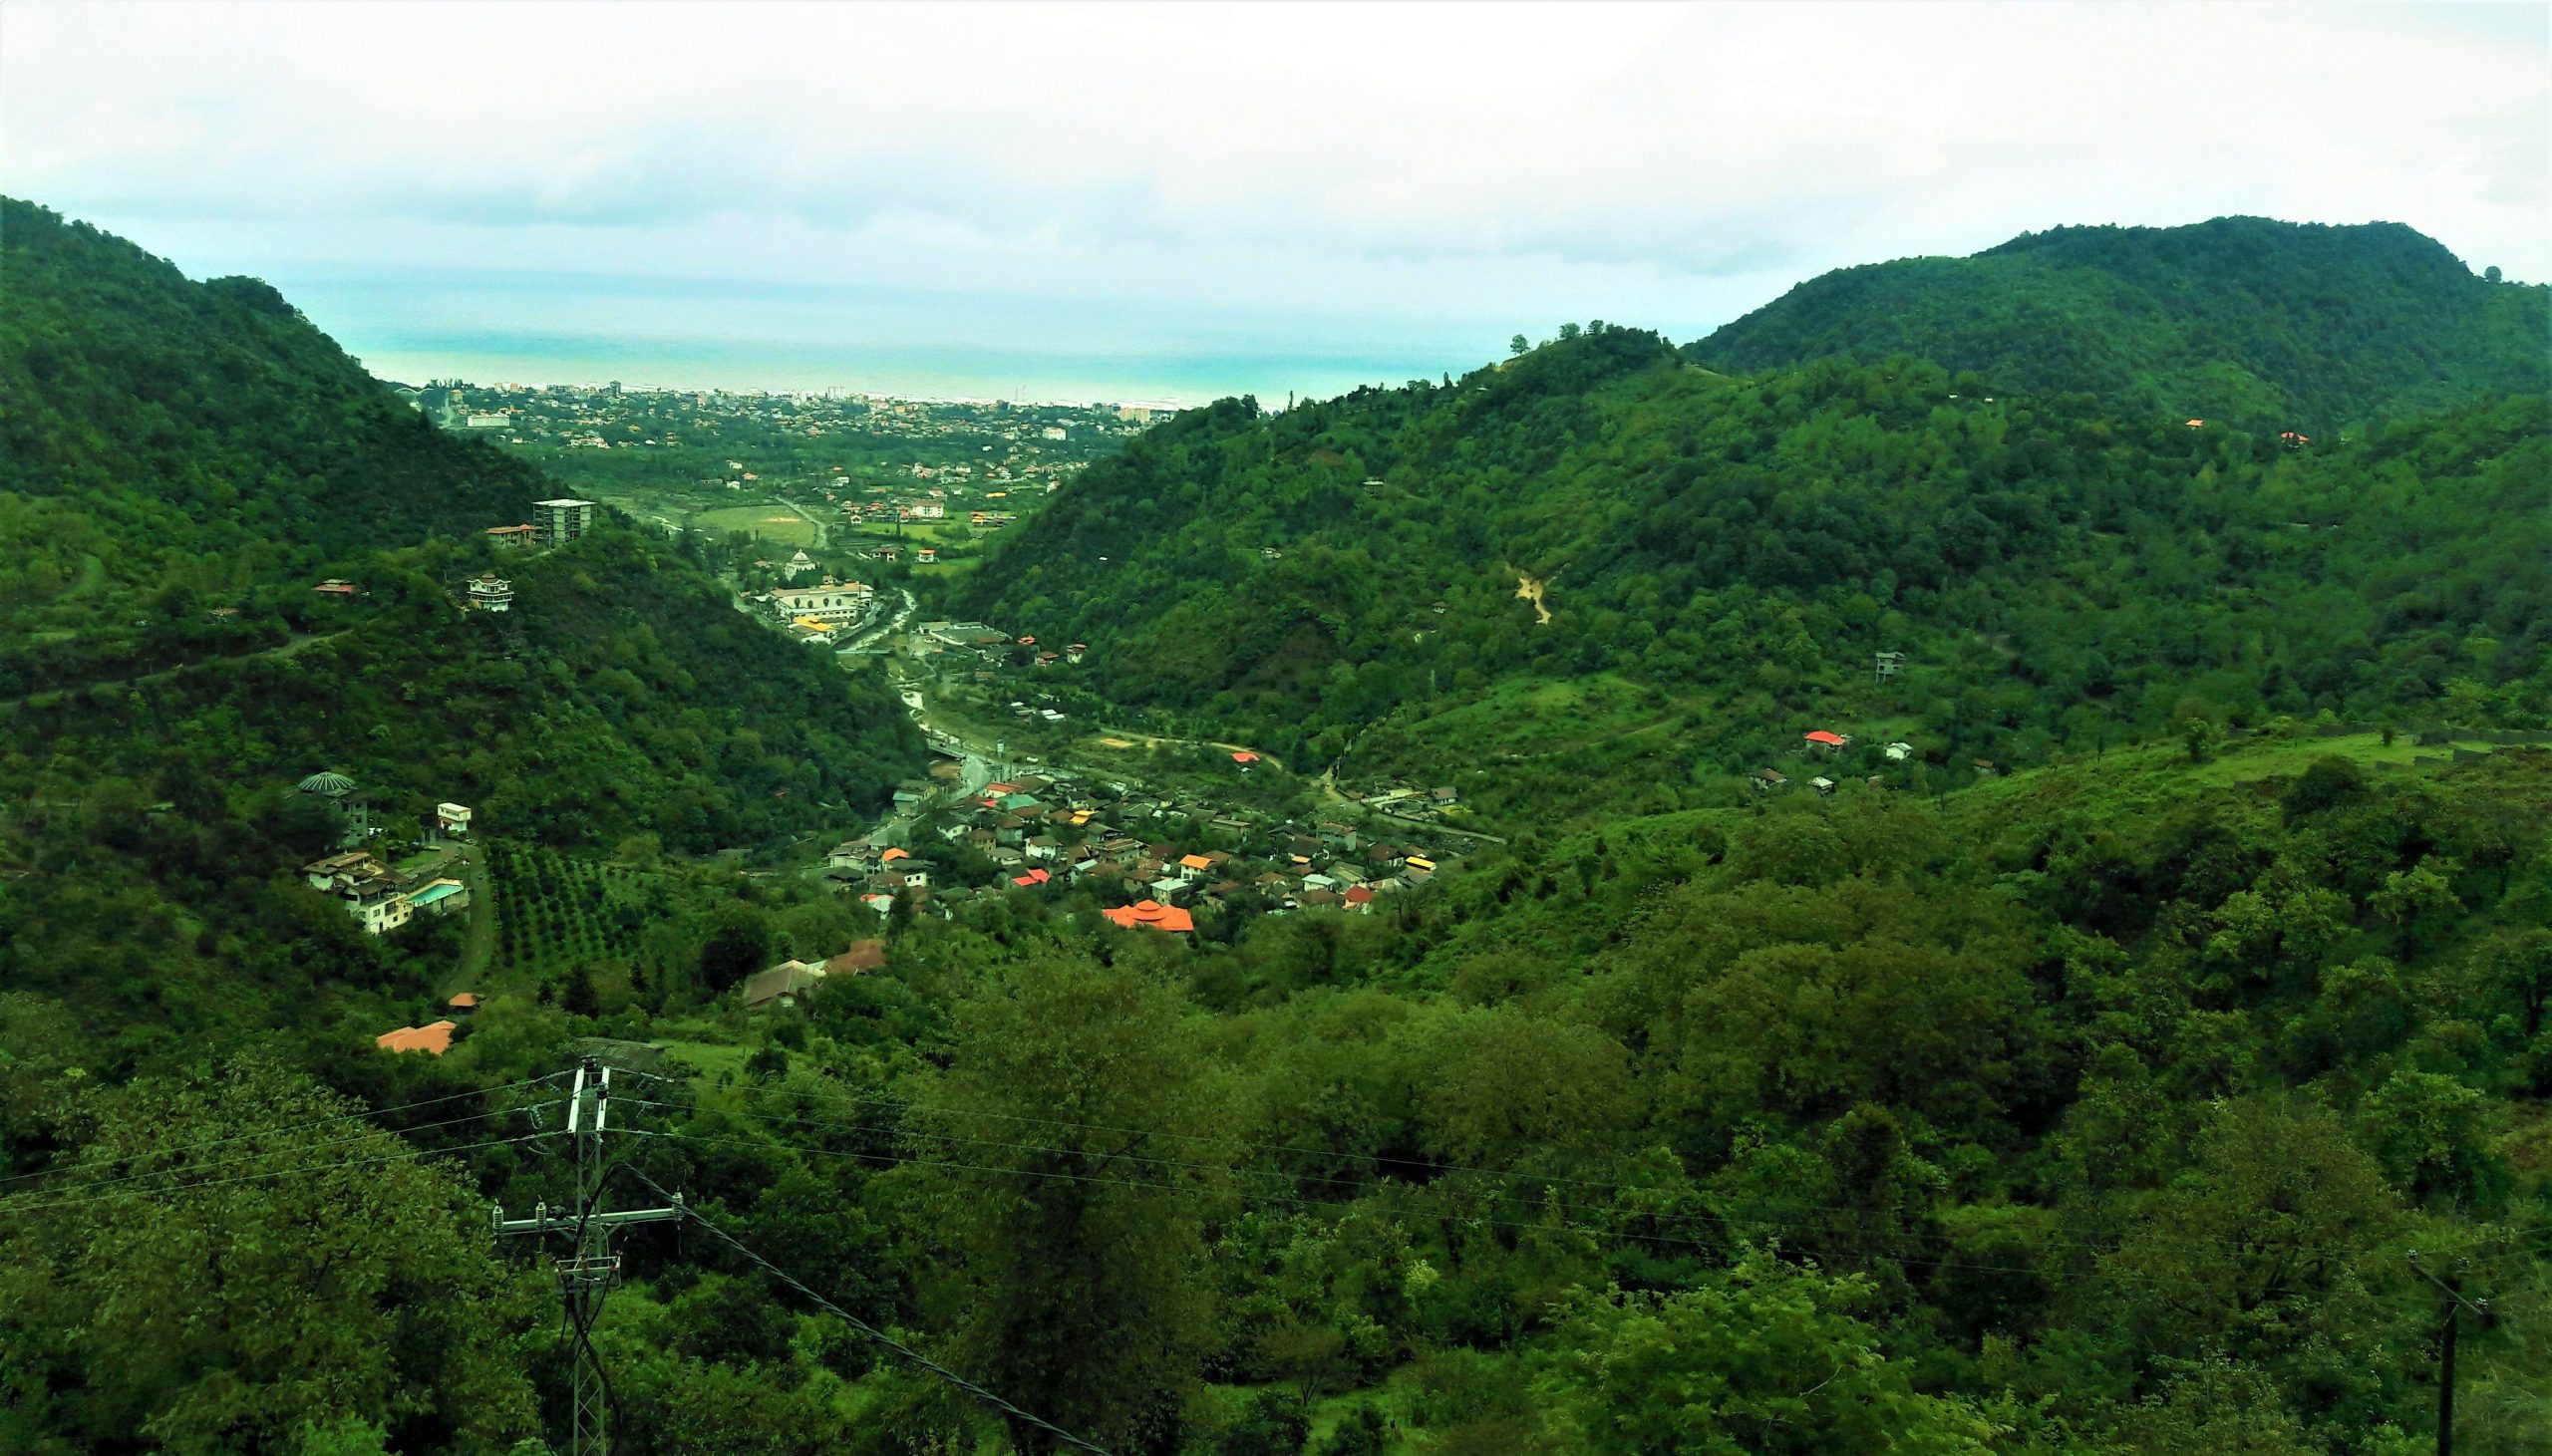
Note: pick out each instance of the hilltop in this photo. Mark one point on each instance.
(1721, 558)
(2281, 325)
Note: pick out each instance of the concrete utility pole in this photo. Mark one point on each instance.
(587, 1273)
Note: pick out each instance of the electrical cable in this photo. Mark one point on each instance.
(186, 1171)
(301, 1127)
(871, 1331)
(338, 1165)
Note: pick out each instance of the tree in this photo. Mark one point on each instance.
(1765, 1358)
(320, 1276)
(1080, 1253)
(738, 943)
(1519, 345)
(579, 1000)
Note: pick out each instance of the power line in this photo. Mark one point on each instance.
(185, 1171)
(871, 1331)
(337, 1165)
(272, 1132)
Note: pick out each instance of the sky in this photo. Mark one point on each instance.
(1174, 201)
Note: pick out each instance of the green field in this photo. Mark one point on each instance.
(774, 523)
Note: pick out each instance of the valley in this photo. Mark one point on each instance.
(1888, 879)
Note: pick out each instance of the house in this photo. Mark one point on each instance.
(1359, 899)
(332, 587)
(1824, 786)
(1899, 752)
(1985, 768)
(510, 538)
(1444, 796)
(850, 854)
(925, 555)
(1765, 780)
(1827, 743)
(492, 593)
(799, 564)
(451, 821)
(1153, 915)
(1168, 887)
(433, 1038)
(1041, 846)
(1033, 879)
(1244, 758)
(781, 985)
(1192, 867)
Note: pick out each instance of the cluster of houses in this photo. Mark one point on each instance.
(1827, 745)
(380, 898)
(820, 611)
(1035, 832)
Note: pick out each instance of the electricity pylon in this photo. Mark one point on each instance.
(587, 1273)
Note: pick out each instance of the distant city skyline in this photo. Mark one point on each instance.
(1189, 200)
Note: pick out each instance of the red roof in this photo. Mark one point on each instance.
(466, 1001)
(1360, 895)
(1033, 877)
(1822, 737)
(1151, 915)
(1244, 757)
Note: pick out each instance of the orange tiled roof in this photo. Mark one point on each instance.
(1151, 915)
(434, 1039)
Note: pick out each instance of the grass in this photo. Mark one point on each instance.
(774, 523)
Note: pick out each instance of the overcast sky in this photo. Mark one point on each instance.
(1489, 164)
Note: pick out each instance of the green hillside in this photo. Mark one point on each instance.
(182, 462)
(2276, 325)
(1724, 556)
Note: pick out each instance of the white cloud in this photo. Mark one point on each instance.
(1657, 164)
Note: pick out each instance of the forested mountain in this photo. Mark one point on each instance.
(182, 464)
(2136, 1100)
(2272, 325)
(1723, 556)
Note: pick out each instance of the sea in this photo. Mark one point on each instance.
(692, 334)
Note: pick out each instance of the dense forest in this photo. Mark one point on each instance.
(2270, 324)
(1721, 558)
(2167, 1093)
(2114, 1107)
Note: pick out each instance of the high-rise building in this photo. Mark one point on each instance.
(560, 521)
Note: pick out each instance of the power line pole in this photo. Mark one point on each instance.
(2452, 1305)
(587, 1273)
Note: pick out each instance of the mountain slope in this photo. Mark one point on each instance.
(1723, 556)
(2282, 324)
(184, 461)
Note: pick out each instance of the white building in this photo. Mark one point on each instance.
(492, 593)
(830, 604)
